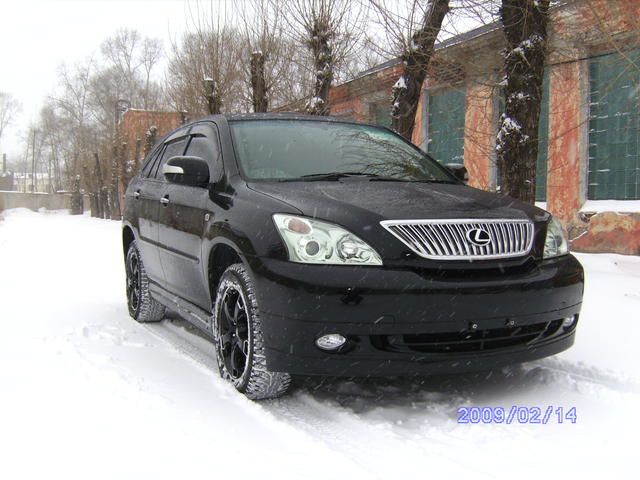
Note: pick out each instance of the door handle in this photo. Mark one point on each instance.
(136, 194)
(165, 200)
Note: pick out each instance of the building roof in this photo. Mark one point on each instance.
(449, 42)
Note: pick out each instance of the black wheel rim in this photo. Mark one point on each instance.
(233, 332)
(133, 281)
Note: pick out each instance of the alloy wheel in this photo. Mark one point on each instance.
(233, 332)
(134, 281)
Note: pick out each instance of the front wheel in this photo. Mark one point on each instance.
(239, 340)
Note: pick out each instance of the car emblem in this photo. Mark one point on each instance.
(478, 236)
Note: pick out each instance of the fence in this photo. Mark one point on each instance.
(35, 201)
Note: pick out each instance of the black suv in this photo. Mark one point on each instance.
(315, 246)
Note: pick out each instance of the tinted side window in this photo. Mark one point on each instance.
(151, 162)
(171, 150)
(207, 148)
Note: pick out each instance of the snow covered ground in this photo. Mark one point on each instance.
(86, 393)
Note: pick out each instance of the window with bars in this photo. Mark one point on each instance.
(382, 114)
(446, 126)
(614, 122)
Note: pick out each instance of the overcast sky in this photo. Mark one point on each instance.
(36, 36)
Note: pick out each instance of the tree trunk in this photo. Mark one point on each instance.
(416, 57)
(258, 82)
(320, 44)
(525, 29)
(115, 178)
(150, 140)
(124, 174)
(212, 95)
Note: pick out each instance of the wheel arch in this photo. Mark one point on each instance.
(128, 236)
(221, 256)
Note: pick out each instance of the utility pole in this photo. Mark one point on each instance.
(50, 166)
(34, 182)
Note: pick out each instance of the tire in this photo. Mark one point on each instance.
(142, 307)
(239, 339)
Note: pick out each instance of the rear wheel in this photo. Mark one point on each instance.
(142, 307)
(239, 339)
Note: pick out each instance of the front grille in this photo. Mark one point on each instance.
(464, 239)
(469, 341)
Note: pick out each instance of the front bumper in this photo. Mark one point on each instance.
(410, 321)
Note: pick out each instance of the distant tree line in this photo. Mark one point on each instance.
(259, 55)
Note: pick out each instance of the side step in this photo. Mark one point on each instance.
(187, 310)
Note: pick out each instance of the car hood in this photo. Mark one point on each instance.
(348, 201)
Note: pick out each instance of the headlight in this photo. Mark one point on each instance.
(313, 241)
(556, 243)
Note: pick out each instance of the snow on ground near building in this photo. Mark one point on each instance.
(85, 392)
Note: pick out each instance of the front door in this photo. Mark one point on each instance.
(183, 214)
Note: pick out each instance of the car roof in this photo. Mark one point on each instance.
(180, 132)
(281, 116)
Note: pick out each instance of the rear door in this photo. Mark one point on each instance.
(183, 221)
(146, 199)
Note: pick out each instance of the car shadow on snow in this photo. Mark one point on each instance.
(406, 397)
(361, 395)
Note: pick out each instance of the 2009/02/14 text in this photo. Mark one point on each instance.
(518, 414)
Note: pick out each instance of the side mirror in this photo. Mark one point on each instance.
(190, 171)
(459, 171)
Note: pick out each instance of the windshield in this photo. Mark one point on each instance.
(289, 150)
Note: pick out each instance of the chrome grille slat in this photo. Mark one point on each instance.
(428, 238)
(453, 236)
(449, 239)
(446, 239)
(461, 231)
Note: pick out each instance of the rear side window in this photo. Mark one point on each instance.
(207, 148)
(151, 162)
(171, 150)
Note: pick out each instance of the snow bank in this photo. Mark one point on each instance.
(621, 206)
(88, 393)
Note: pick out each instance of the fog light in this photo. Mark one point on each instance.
(331, 342)
(568, 321)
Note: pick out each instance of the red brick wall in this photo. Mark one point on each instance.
(479, 134)
(135, 123)
(133, 127)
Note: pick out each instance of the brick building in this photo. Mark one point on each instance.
(589, 138)
(133, 129)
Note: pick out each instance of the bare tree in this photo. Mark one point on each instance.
(72, 105)
(129, 62)
(525, 30)
(264, 38)
(413, 30)
(150, 55)
(9, 107)
(205, 67)
(331, 30)
(120, 52)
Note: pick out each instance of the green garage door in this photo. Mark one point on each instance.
(614, 166)
(543, 140)
(446, 126)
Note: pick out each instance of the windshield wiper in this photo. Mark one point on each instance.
(433, 181)
(374, 177)
(312, 177)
